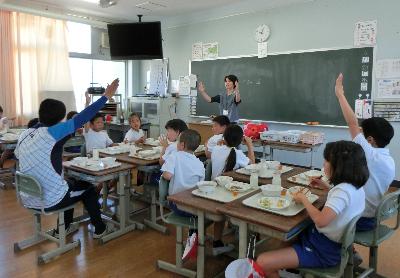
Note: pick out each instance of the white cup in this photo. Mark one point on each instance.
(132, 150)
(95, 154)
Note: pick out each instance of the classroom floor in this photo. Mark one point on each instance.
(132, 255)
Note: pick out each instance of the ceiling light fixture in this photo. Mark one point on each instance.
(107, 3)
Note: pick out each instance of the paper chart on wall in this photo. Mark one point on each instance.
(365, 33)
(210, 50)
(388, 68)
(184, 85)
(197, 51)
(262, 49)
(389, 88)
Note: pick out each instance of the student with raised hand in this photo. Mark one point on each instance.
(319, 245)
(39, 150)
(375, 134)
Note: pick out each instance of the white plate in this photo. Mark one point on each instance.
(276, 203)
(291, 210)
(238, 186)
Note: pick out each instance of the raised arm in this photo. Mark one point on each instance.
(250, 149)
(347, 111)
(62, 129)
(237, 93)
(87, 103)
(203, 92)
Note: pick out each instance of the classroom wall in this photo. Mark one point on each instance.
(312, 25)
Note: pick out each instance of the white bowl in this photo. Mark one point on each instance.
(313, 174)
(108, 160)
(253, 168)
(80, 160)
(271, 190)
(223, 180)
(206, 186)
(297, 188)
(147, 153)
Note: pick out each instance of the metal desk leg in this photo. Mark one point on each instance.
(264, 152)
(152, 222)
(242, 239)
(271, 153)
(200, 250)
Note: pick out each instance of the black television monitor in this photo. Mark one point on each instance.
(135, 41)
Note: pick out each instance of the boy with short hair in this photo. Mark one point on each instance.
(95, 136)
(220, 123)
(174, 128)
(375, 136)
(39, 150)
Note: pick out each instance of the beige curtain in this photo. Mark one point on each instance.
(40, 63)
(7, 70)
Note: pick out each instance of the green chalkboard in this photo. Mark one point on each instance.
(293, 87)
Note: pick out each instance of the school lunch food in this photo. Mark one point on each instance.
(273, 202)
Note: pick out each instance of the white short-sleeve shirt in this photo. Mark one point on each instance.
(133, 135)
(172, 148)
(213, 142)
(219, 157)
(381, 174)
(186, 170)
(96, 140)
(347, 202)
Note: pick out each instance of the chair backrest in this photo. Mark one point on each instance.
(28, 186)
(208, 170)
(347, 241)
(163, 187)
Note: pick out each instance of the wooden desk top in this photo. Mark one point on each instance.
(277, 222)
(289, 145)
(186, 198)
(122, 168)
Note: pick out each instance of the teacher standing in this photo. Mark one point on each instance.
(228, 101)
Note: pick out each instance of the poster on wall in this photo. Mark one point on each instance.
(365, 33)
(262, 49)
(388, 68)
(210, 50)
(197, 51)
(389, 88)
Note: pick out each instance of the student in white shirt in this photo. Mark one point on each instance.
(375, 135)
(183, 169)
(95, 136)
(220, 123)
(227, 157)
(174, 128)
(135, 134)
(319, 246)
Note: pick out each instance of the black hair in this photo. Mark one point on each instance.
(191, 139)
(134, 114)
(1, 109)
(33, 122)
(379, 129)
(232, 78)
(176, 124)
(51, 112)
(222, 120)
(348, 163)
(71, 114)
(233, 136)
(98, 115)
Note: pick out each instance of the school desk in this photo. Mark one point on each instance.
(121, 172)
(204, 209)
(269, 224)
(298, 147)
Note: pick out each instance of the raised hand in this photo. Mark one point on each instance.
(339, 86)
(111, 89)
(201, 87)
(236, 86)
(163, 141)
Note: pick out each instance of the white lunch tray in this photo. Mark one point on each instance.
(156, 156)
(222, 195)
(246, 172)
(96, 168)
(292, 210)
(302, 179)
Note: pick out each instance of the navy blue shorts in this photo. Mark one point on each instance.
(366, 224)
(314, 249)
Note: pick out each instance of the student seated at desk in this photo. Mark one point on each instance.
(4, 124)
(220, 123)
(227, 157)
(134, 134)
(319, 245)
(39, 151)
(174, 128)
(183, 169)
(95, 136)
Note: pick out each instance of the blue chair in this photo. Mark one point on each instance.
(28, 186)
(389, 207)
